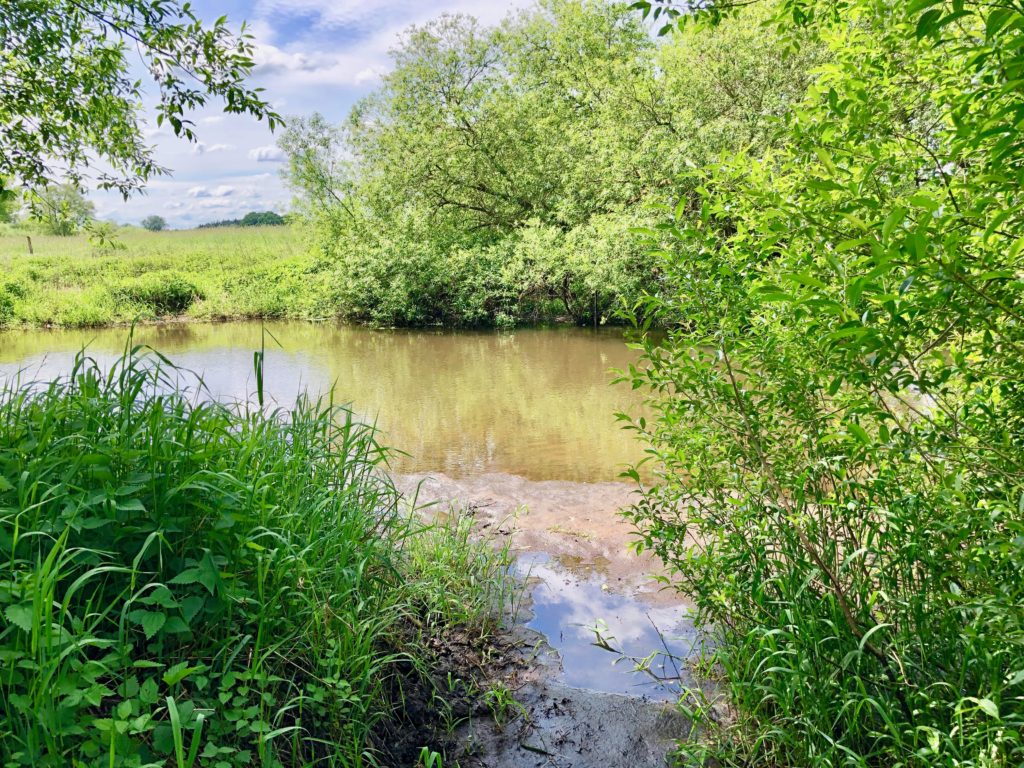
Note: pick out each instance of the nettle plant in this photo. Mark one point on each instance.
(838, 404)
(186, 583)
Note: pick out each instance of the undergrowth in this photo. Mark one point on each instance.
(189, 583)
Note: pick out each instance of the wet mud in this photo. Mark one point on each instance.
(593, 612)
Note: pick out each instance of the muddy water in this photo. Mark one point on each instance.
(533, 403)
(517, 428)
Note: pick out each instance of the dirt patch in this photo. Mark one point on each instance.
(576, 524)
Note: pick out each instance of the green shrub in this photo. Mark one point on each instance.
(838, 407)
(201, 584)
(163, 293)
(6, 305)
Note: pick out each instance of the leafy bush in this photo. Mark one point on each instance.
(838, 404)
(495, 174)
(163, 293)
(197, 584)
(6, 305)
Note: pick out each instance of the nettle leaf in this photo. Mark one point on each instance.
(21, 615)
(205, 572)
(150, 621)
(149, 692)
(179, 672)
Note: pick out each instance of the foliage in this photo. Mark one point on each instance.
(188, 583)
(165, 293)
(495, 175)
(212, 274)
(61, 209)
(251, 219)
(838, 407)
(68, 98)
(154, 223)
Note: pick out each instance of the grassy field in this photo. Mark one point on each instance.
(209, 274)
(195, 584)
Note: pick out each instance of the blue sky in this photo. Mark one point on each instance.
(312, 55)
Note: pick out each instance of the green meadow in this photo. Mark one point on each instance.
(205, 274)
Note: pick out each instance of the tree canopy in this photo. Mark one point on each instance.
(61, 209)
(496, 173)
(154, 223)
(69, 99)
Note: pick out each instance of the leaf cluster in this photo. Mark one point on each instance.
(838, 413)
(70, 99)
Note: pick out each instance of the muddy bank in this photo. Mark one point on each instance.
(576, 524)
(578, 703)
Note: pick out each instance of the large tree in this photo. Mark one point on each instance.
(70, 101)
(61, 209)
(497, 172)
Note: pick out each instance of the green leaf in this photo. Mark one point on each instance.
(988, 707)
(150, 621)
(179, 672)
(21, 615)
(859, 432)
(149, 692)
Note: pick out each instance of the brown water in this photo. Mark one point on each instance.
(534, 403)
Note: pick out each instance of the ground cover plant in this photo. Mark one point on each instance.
(187, 583)
(838, 403)
(209, 274)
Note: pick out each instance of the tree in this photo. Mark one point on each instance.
(154, 223)
(61, 209)
(839, 402)
(496, 173)
(262, 219)
(68, 97)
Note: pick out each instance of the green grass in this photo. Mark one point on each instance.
(186, 583)
(209, 274)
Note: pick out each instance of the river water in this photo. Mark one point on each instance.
(533, 403)
(497, 421)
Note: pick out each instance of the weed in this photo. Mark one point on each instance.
(189, 583)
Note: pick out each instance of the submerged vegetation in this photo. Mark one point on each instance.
(190, 583)
(838, 404)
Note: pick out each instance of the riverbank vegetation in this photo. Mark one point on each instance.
(496, 175)
(839, 404)
(211, 274)
(189, 583)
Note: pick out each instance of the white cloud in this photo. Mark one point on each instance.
(267, 154)
(200, 148)
(221, 190)
(369, 75)
(211, 119)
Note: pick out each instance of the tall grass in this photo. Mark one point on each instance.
(188, 583)
(210, 274)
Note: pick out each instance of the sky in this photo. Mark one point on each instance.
(312, 55)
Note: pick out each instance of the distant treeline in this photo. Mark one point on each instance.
(251, 219)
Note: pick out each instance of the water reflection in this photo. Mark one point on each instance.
(535, 403)
(567, 605)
